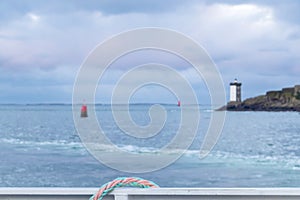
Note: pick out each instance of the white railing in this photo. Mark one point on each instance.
(150, 193)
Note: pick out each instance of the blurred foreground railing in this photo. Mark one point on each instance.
(150, 193)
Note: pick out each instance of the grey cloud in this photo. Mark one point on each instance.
(68, 30)
(287, 10)
(15, 8)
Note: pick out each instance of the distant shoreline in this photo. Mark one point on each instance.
(97, 104)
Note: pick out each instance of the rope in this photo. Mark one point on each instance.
(122, 182)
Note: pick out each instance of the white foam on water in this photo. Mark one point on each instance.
(63, 143)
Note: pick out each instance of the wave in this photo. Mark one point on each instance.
(263, 160)
(227, 158)
(62, 143)
(291, 162)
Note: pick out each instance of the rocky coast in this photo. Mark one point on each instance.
(287, 99)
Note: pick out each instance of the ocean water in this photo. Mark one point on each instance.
(40, 147)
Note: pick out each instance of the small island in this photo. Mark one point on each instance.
(287, 99)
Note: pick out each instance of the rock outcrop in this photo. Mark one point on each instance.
(287, 99)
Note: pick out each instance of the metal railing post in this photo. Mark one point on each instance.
(121, 197)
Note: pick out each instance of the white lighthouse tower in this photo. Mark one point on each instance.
(235, 91)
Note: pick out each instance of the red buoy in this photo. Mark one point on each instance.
(178, 103)
(83, 111)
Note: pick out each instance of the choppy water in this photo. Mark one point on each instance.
(39, 146)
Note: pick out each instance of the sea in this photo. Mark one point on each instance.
(41, 147)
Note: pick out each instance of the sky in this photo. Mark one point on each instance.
(44, 43)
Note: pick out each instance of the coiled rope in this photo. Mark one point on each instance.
(122, 182)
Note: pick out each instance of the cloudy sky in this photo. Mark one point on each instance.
(44, 43)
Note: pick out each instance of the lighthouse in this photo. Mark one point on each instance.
(235, 91)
